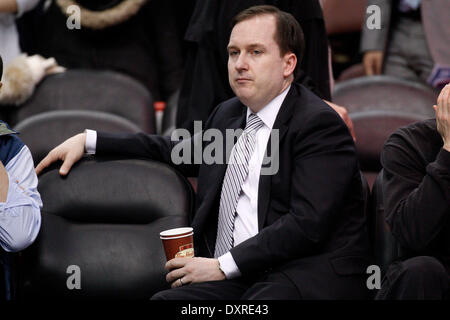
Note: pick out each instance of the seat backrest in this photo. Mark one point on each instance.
(372, 128)
(385, 93)
(44, 131)
(104, 220)
(83, 89)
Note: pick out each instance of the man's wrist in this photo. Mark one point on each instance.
(228, 266)
(220, 269)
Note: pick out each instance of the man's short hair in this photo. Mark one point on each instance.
(288, 35)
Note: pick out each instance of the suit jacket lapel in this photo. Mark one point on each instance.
(272, 148)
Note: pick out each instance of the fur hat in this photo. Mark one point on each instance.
(18, 82)
(103, 14)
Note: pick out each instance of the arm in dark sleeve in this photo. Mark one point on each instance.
(324, 164)
(181, 150)
(148, 146)
(416, 196)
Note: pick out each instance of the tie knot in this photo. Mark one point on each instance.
(253, 123)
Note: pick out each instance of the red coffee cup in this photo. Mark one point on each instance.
(178, 242)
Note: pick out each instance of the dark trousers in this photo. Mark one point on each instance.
(315, 281)
(418, 278)
(274, 286)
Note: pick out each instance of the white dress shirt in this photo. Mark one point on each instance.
(246, 222)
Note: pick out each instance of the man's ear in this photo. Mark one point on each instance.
(290, 61)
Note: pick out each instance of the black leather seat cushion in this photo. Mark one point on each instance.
(105, 217)
(82, 89)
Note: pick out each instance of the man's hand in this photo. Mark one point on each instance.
(344, 115)
(373, 62)
(192, 270)
(70, 151)
(442, 110)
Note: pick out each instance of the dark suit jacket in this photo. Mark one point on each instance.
(310, 213)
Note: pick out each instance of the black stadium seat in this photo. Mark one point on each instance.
(104, 218)
(372, 128)
(105, 91)
(44, 131)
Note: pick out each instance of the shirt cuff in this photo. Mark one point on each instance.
(228, 266)
(91, 141)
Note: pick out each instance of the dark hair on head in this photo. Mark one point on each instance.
(1, 68)
(288, 35)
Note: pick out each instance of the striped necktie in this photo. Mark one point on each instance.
(235, 175)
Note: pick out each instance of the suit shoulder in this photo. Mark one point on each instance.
(308, 105)
(232, 105)
(229, 108)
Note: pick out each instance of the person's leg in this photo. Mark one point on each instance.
(274, 286)
(420, 59)
(397, 54)
(211, 290)
(423, 278)
(311, 278)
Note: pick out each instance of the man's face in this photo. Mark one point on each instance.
(256, 71)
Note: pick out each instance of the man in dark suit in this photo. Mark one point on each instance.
(288, 230)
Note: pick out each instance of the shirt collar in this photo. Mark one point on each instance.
(268, 114)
